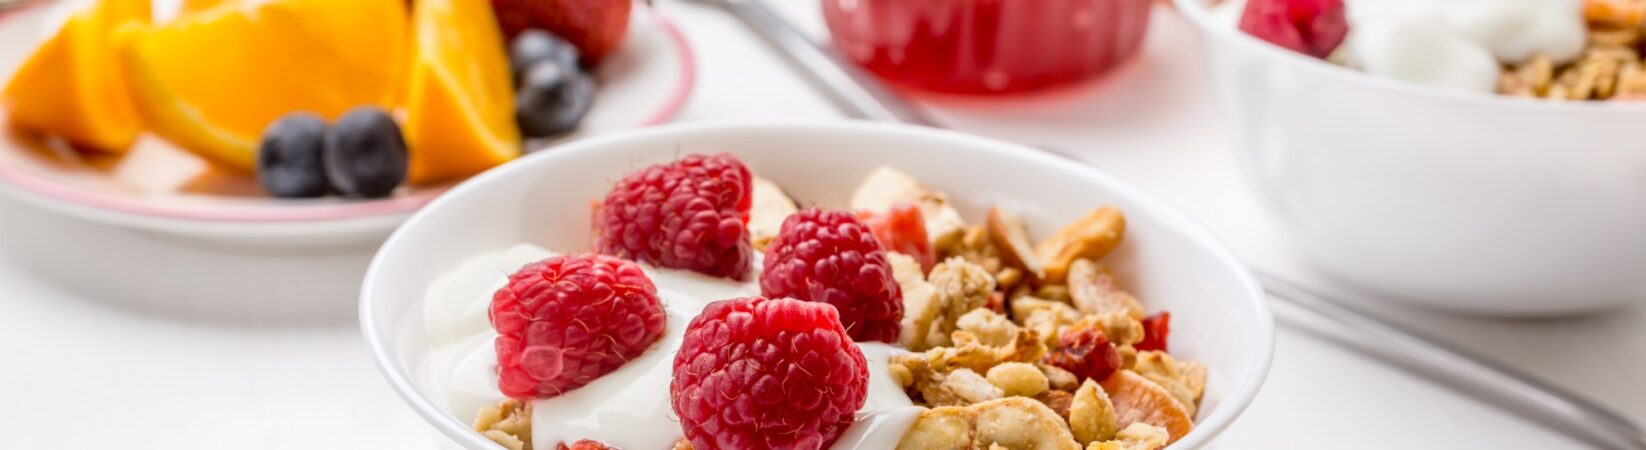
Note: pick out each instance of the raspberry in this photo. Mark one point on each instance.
(1155, 330)
(830, 257)
(584, 444)
(754, 373)
(1086, 352)
(688, 214)
(1311, 27)
(566, 320)
(902, 229)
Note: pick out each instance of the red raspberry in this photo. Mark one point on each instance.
(754, 373)
(902, 229)
(688, 214)
(566, 320)
(1311, 27)
(584, 444)
(1086, 352)
(831, 257)
(1155, 330)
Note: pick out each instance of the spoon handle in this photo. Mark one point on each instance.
(849, 87)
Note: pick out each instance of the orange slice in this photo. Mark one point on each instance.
(1136, 399)
(459, 102)
(71, 86)
(212, 80)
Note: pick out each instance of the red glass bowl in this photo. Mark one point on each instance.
(987, 46)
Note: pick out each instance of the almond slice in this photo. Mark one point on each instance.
(1009, 235)
(1090, 237)
(1095, 291)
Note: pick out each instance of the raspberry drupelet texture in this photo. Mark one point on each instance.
(754, 373)
(832, 257)
(689, 214)
(566, 320)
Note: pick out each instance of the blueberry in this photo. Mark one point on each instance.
(533, 47)
(288, 160)
(552, 99)
(365, 154)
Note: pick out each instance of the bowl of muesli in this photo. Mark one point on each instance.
(1473, 155)
(844, 285)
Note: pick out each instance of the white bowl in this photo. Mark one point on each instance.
(1465, 201)
(1218, 310)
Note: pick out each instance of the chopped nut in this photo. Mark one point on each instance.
(929, 369)
(987, 327)
(1046, 318)
(922, 307)
(1090, 237)
(886, 187)
(1012, 239)
(1091, 415)
(963, 286)
(770, 207)
(971, 387)
(509, 424)
(1094, 291)
(1119, 327)
(1058, 401)
(1621, 13)
(1185, 380)
(1014, 423)
(1019, 379)
(1137, 436)
(1059, 378)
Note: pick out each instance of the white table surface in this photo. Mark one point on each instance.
(95, 373)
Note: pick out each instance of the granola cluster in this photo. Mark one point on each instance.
(1610, 67)
(1031, 346)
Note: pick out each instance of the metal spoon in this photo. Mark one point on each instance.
(859, 95)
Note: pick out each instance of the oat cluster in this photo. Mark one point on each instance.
(1610, 67)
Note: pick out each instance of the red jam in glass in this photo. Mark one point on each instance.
(987, 46)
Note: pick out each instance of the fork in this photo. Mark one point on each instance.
(860, 95)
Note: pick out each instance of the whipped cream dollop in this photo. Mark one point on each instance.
(628, 408)
(1457, 44)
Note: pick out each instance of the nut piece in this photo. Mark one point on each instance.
(769, 209)
(1058, 401)
(922, 308)
(1019, 379)
(1137, 436)
(1090, 237)
(1010, 423)
(971, 387)
(962, 286)
(1091, 415)
(1012, 239)
(1046, 318)
(509, 424)
(886, 187)
(1185, 380)
(986, 327)
(1094, 291)
(1059, 378)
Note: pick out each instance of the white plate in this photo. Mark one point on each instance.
(1218, 311)
(160, 188)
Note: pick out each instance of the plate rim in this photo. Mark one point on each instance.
(113, 209)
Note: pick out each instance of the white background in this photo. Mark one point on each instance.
(86, 373)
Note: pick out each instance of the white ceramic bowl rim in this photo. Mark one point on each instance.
(1197, 12)
(1239, 396)
(125, 210)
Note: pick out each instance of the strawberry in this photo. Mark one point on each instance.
(596, 27)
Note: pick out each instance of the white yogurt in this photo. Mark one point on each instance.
(628, 408)
(1457, 44)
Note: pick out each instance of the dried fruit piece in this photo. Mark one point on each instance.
(1086, 353)
(1018, 379)
(901, 229)
(1185, 380)
(1094, 291)
(1136, 399)
(1310, 27)
(509, 424)
(1156, 328)
(770, 207)
(1010, 236)
(1619, 13)
(1091, 415)
(1090, 237)
(886, 187)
